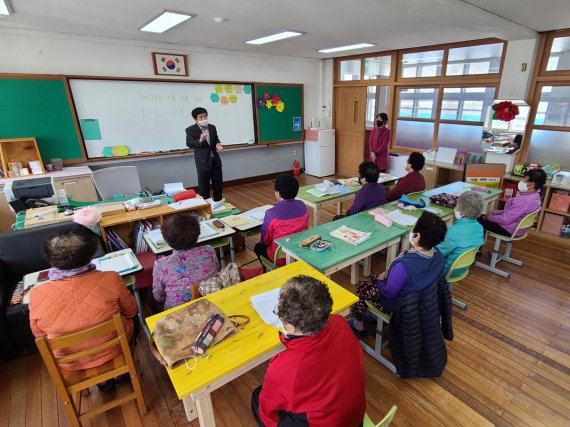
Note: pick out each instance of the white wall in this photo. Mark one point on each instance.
(49, 53)
(515, 82)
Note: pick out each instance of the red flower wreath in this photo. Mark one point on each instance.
(505, 111)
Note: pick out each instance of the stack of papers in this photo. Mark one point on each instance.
(120, 263)
(188, 203)
(236, 221)
(402, 218)
(265, 304)
(349, 235)
(207, 230)
(174, 188)
(156, 237)
(258, 213)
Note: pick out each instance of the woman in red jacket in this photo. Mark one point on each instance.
(380, 142)
(318, 380)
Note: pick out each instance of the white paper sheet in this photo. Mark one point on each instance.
(174, 188)
(206, 230)
(156, 236)
(265, 304)
(402, 218)
(258, 213)
(118, 263)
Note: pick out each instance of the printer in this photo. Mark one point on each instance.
(26, 193)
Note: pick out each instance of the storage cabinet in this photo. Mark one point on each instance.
(19, 150)
(78, 188)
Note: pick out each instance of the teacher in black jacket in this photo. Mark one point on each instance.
(203, 138)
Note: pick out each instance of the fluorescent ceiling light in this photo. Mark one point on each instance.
(5, 8)
(274, 37)
(349, 47)
(165, 21)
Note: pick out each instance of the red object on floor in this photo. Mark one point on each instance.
(143, 278)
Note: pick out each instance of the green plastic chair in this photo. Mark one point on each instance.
(381, 341)
(272, 265)
(463, 261)
(367, 422)
(526, 222)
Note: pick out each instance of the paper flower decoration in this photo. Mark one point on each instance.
(280, 106)
(275, 99)
(88, 217)
(266, 95)
(269, 104)
(260, 103)
(505, 111)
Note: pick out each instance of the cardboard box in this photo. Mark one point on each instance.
(552, 224)
(560, 201)
(509, 190)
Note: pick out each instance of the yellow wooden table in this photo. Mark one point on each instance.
(254, 344)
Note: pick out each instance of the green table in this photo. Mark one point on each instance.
(316, 203)
(446, 214)
(490, 197)
(344, 254)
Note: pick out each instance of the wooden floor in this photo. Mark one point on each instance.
(509, 364)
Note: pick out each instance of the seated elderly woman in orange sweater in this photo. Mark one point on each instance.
(78, 296)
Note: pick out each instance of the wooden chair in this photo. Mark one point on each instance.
(269, 265)
(367, 422)
(381, 341)
(69, 384)
(526, 222)
(462, 262)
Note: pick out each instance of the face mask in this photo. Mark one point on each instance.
(522, 186)
(203, 123)
(457, 214)
(411, 239)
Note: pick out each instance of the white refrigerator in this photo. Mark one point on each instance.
(320, 152)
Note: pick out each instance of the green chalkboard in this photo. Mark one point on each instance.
(39, 108)
(276, 126)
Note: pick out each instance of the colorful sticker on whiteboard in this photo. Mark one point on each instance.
(297, 124)
(214, 97)
(247, 89)
(116, 151)
(233, 98)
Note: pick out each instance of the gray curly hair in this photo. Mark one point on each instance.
(470, 204)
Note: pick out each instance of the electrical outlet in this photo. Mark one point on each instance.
(294, 153)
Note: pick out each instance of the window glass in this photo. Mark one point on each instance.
(559, 58)
(554, 106)
(468, 103)
(481, 59)
(460, 136)
(377, 68)
(543, 143)
(418, 103)
(378, 101)
(350, 70)
(422, 64)
(414, 134)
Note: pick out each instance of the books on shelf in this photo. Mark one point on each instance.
(350, 235)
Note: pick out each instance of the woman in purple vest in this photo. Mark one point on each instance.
(414, 270)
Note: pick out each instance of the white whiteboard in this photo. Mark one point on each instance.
(150, 117)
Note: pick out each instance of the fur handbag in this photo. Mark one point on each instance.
(229, 276)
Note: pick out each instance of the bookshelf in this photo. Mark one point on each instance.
(550, 220)
(123, 223)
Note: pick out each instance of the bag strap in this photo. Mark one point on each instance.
(234, 319)
(155, 352)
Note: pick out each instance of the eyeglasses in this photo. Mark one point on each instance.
(276, 309)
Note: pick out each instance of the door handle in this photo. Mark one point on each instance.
(355, 118)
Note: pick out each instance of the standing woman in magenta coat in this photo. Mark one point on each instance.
(379, 142)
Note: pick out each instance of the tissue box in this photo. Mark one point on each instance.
(560, 201)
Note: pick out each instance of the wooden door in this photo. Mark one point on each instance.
(350, 111)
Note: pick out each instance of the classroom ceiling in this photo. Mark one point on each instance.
(390, 24)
